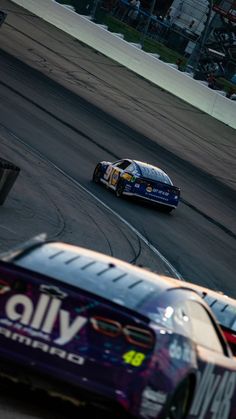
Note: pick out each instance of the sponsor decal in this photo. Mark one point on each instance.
(43, 316)
(108, 172)
(149, 409)
(24, 329)
(154, 396)
(114, 177)
(160, 192)
(149, 189)
(214, 393)
(152, 402)
(44, 347)
(127, 176)
(160, 197)
(181, 351)
(137, 185)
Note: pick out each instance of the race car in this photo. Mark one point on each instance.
(103, 331)
(224, 309)
(138, 179)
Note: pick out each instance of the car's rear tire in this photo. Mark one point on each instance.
(97, 174)
(119, 189)
(179, 405)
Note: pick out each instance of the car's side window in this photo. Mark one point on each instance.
(131, 168)
(123, 164)
(181, 319)
(203, 331)
(225, 313)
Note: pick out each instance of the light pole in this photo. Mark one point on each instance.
(144, 34)
(196, 54)
(94, 9)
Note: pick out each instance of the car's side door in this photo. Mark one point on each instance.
(114, 171)
(215, 395)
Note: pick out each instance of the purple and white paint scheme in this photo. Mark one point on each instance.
(104, 330)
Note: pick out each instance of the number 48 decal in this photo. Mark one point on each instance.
(134, 358)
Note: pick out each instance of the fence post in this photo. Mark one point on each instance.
(144, 34)
(194, 59)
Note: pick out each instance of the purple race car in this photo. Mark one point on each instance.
(99, 329)
(138, 179)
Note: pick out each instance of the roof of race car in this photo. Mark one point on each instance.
(223, 307)
(152, 172)
(103, 275)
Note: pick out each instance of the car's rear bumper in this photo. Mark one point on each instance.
(56, 387)
(155, 200)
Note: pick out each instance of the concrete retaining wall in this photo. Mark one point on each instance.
(147, 66)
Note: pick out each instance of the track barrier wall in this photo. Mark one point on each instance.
(140, 62)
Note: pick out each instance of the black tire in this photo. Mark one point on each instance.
(167, 210)
(97, 174)
(179, 404)
(119, 189)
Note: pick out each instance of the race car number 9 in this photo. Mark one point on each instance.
(108, 172)
(134, 358)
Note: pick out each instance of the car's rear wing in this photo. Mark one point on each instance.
(155, 183)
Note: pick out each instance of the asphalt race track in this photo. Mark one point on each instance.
(63, 108)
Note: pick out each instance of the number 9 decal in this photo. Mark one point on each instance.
(114, 177)
(108, 172)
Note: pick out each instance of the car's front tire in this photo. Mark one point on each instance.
(97, 174)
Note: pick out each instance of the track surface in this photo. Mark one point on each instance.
(76, 107)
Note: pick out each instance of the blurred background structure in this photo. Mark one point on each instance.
(202, 32)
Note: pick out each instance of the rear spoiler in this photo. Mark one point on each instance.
(167, 185)
(23, 248)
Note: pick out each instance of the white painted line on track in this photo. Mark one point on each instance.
(130, 226)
